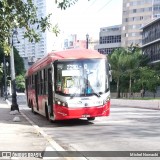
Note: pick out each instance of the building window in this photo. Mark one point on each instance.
(126, 34)
(126, 19)
(110, 39)
(134, 10)
(127, 5)
(106, 50)
(133, 34)
(141, 17)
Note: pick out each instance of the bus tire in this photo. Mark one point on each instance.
(29, 104)
(32, 108)
(47, 115)
(91, 118)
(46, 112)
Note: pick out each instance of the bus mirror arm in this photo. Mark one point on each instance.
(110, 75)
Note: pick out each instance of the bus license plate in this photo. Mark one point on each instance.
(85, 115)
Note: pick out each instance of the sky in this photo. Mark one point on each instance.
(87, 17)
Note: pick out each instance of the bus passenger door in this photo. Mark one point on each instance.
(50, 92)
(26, 89)
(36, 91)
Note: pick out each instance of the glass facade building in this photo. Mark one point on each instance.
(30, 52)
(151, 40)
(109, 39)
(136, 14)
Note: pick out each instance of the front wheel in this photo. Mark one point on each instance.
(32, 108)
(48, 116)
(91, 118)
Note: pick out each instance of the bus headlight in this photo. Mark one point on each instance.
(106, 100)
(60, 103)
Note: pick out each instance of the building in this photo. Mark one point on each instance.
(151, 40)
(136, 14)
(109, 39)
(30, 52)
(92, 43)
(72, 41)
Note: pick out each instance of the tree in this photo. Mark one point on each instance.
(20, 80)
(19, 69)
(116, 61)
(125, 65)
(132, 62)
(16, 13)
(19, 64)
(148, 79)
(23, 14)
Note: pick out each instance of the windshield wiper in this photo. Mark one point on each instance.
(97, 94)
(73, 95)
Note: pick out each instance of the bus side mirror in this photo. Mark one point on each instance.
(110, 73)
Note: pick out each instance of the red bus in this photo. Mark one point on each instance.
(69, 84)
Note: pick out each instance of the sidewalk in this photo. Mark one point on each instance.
(20, 135)
(146, 104)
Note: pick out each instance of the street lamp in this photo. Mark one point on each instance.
(87, 38)
(4, 65)
(14, 105)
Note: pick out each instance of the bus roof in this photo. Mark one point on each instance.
(66, 54)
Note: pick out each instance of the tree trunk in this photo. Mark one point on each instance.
(130, 85)
(118, 91)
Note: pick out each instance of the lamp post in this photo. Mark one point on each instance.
(87, 38)
(14, 105)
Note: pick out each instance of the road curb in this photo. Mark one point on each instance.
(55, 146)
(134, 107)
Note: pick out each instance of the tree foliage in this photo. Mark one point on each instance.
(17, 13)
(116, 61)
(147, 78)
(19, 64)
(132, 62)
(63, 4)
(130, 71)
(19, 68)
(20, 81)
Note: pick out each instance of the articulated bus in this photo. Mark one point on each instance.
(69, 84)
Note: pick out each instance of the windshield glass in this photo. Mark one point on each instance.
(81, 77)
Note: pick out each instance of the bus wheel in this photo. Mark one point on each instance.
(46, 112)
(48, 115)
(32, 108)
(91, 118)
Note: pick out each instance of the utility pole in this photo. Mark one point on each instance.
(14, 105)
(87, 40)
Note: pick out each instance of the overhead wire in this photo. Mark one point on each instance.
(92, 3)
(104, 6)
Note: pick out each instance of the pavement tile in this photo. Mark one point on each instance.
(18, 136)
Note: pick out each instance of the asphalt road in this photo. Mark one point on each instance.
(126, 129)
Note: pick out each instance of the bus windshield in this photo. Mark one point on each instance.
(81, 77)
